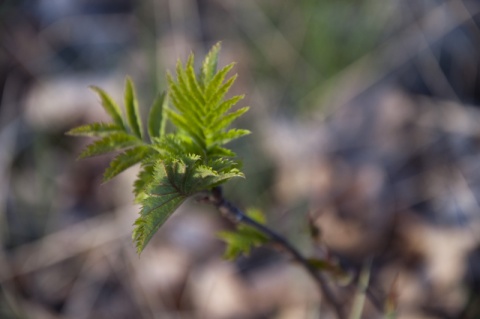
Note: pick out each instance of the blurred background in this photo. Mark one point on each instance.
(365, 119)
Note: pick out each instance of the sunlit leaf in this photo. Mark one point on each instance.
(212, 91)
(174, 166)
(209, 66)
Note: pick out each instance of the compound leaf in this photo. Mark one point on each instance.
(174, 181)
(155, 211)
(177, 165)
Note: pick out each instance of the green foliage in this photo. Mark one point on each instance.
(201, 109)
(177, 165)
(96, 129)
(131, 106)
(125, 160)
(244, 238)
(144, 178)
(175, 180)
(156, 118)
(110, 106)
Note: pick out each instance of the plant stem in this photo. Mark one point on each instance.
(360, 296)
(233, 213)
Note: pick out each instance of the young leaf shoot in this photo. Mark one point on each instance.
(181, 163)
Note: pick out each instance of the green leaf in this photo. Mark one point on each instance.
(144, 178)
(131, 106)
(225, 137)
(222, 108)
(187, 91)
(226, 120)
(217, 96)
(176, 146)
(155, 212)
(224, 165)
(218, 151)
(189, 127)
(95, 129)
(200, 110)
(239, 243)
(244, 238)
(174, 180)
(209, 66)
(156, 118)
(110, 106)
(173, 166)
(216, 82)
(125, 160)
(112, 142)
(207, 178)
(228, 104)
(168, 189)
(183, 99)
(255, 214)
(192, 81)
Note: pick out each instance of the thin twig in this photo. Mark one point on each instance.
(360, 295)
(231, 212)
